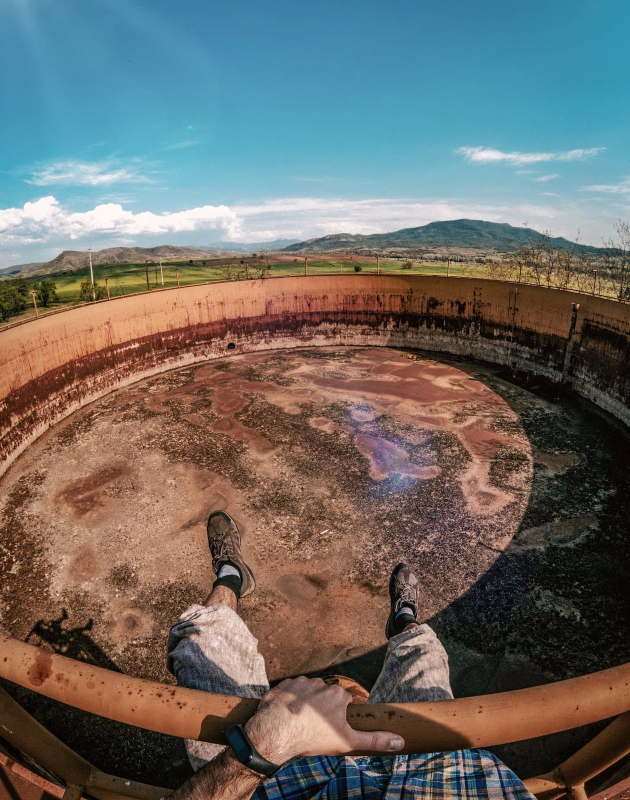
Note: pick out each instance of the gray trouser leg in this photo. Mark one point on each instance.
(213, 650)
(415, 669)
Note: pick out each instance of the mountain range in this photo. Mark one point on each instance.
(252, 247)
(73, 260)
(459, 234)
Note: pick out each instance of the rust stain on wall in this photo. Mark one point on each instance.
(57, 364)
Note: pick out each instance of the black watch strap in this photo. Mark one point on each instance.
(247, 754)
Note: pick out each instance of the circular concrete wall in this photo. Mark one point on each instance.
(52, 366)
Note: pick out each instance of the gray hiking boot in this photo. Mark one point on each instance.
(403, 590)
(224, 540)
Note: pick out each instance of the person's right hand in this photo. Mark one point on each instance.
(305, 717)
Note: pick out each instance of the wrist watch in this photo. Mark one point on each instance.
(247, 754)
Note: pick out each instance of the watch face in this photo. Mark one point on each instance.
(240, 745)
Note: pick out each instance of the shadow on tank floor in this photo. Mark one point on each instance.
(510, 503)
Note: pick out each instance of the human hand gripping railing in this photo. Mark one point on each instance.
(426, 727)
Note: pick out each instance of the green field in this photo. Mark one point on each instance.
(129, 278)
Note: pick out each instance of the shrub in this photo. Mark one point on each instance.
(261, 270)
(358, 268)
(407, 265)
(100, 292)
(46, 292)
(15, 295)
(9, 301)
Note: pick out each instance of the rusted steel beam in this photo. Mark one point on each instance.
(608, 747)
(426, 727)
(616, 792)
(27, 775)
(612, 744)
(546, 787)
(22, 731)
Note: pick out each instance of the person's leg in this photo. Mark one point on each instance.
(210, 647)
(416, 664)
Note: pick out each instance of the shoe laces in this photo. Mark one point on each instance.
(407, 595)
(223, 546)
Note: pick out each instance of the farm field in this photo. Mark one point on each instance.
(129, 278)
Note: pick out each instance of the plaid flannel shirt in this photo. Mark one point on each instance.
(459, 775)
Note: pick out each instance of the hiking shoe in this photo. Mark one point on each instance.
(403, 591)
(224, 540)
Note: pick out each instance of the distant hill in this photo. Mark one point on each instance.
(458, 233)
(74, 260)
(252, 247)
(19, 269)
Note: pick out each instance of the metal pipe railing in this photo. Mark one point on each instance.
(426, 727)
(24, 733)
(608, 747)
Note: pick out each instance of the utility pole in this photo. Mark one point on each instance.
(161, 272)
(107, 288)
(448, 267)
(306, 266)
(155, 265)
(594, 281)
(92, 274)
(177, 276)
(378, 265)
(146, 266)
(33, 295)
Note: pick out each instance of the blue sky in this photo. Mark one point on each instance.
(154, 121)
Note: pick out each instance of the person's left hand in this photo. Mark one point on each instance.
(305, 717)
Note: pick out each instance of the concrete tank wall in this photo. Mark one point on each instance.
(51, 366)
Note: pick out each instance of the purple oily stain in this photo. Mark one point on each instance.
(387, 459)
(363, 414)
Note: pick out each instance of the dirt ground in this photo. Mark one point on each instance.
(336, 463)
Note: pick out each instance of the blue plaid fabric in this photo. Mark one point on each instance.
(458, 775)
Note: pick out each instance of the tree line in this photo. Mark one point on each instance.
(545, 263)
(16, 295)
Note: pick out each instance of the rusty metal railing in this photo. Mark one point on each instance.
(481, 721)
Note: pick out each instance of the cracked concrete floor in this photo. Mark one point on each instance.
(336, 464)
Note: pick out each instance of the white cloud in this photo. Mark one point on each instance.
(83, 173)
(488, 155)
(549, 194)
(615, 188)
(545, 178)
(181, 145)
(46, 219)
(309, 217)
(46, 226)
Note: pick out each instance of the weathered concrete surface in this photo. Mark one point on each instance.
(336, 463)
(54, 365)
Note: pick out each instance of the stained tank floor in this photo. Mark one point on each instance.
(336, 464)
